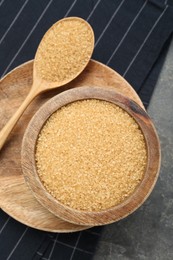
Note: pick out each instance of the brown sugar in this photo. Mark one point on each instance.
(91, 155)
(64, 51)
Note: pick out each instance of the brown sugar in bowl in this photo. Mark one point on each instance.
(91, 156)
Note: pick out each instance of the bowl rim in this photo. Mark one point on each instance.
(110, 215)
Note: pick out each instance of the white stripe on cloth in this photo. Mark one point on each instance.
(26, 39)
(145, 40)
(94, 8)
(1, 2)
(14, 20)
(53, 247)
(112, 17)
(6, 222)
(77, 241)
(126, 33)
(18, 242)
(69, 10)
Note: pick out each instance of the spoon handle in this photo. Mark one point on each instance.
(6, 130)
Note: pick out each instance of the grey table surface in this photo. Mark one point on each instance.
(148, 232)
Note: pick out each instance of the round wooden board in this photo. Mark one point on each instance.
(16, 199)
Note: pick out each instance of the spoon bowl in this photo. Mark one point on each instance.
(63, 53)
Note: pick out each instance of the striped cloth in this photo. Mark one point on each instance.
(132, 37)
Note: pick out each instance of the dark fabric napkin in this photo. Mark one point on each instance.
(132, 37)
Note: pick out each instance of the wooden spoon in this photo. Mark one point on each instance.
(62, 55)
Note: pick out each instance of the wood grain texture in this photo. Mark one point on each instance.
(16, 199)
(114, 213)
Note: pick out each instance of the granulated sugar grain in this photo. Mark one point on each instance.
(91, 155)
(66, 48)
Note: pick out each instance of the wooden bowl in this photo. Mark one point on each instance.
(82, 217)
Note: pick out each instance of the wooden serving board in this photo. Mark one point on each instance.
(16, 199)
